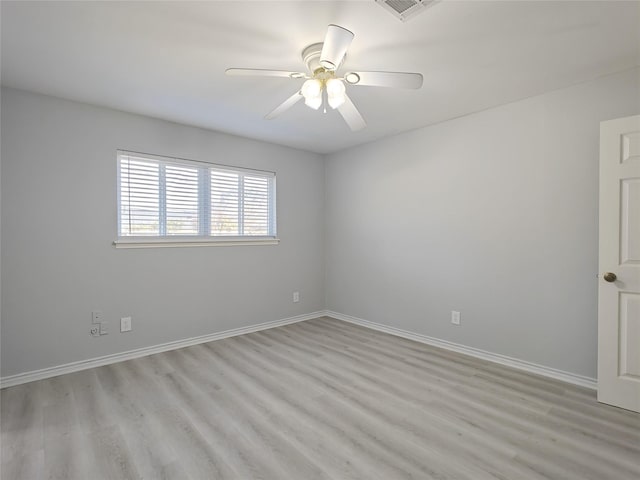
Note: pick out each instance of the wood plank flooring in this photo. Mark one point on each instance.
(320, 399)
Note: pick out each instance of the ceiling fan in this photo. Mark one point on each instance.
(323, 86)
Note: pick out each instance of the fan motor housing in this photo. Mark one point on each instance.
(311, 58)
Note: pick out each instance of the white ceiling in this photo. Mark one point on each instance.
(167, 59)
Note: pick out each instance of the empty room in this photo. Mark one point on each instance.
(295, 240)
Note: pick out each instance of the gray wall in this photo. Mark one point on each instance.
(494, 214)
(59, 219)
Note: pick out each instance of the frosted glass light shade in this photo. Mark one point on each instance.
(313, 102)
(312, 92)
(335, 87)
(311, 88)
(335, 101)
(335, 92)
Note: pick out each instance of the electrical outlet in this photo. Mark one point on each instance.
(104, 328)
(94, 331)
(96, 316)
(125, 324)
(296, 297)
(455, 317)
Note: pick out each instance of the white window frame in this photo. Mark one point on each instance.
(129, 241)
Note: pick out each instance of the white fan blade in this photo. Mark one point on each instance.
(385, 79)
(335, 47)
(286, 105)
(351, 115)
(256, 72)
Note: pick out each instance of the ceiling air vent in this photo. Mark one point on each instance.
(406, 9)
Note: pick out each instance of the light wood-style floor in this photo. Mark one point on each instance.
(317, 399)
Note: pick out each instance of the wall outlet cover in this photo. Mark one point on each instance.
(96, 316)
(125, 324)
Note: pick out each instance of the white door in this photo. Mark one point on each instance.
(619, 279)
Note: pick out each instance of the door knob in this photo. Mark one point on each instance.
(610, 277)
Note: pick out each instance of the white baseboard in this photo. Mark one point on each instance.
(34, 375)
(530, 367)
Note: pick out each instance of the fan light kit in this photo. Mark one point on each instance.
(323, 86)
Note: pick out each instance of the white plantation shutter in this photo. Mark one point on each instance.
(182, 200)
(225, 201)
(139, 197)
(161, 197)
(255, 208)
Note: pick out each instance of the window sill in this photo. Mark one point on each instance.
(199, 242)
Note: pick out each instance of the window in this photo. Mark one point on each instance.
(168, 202)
